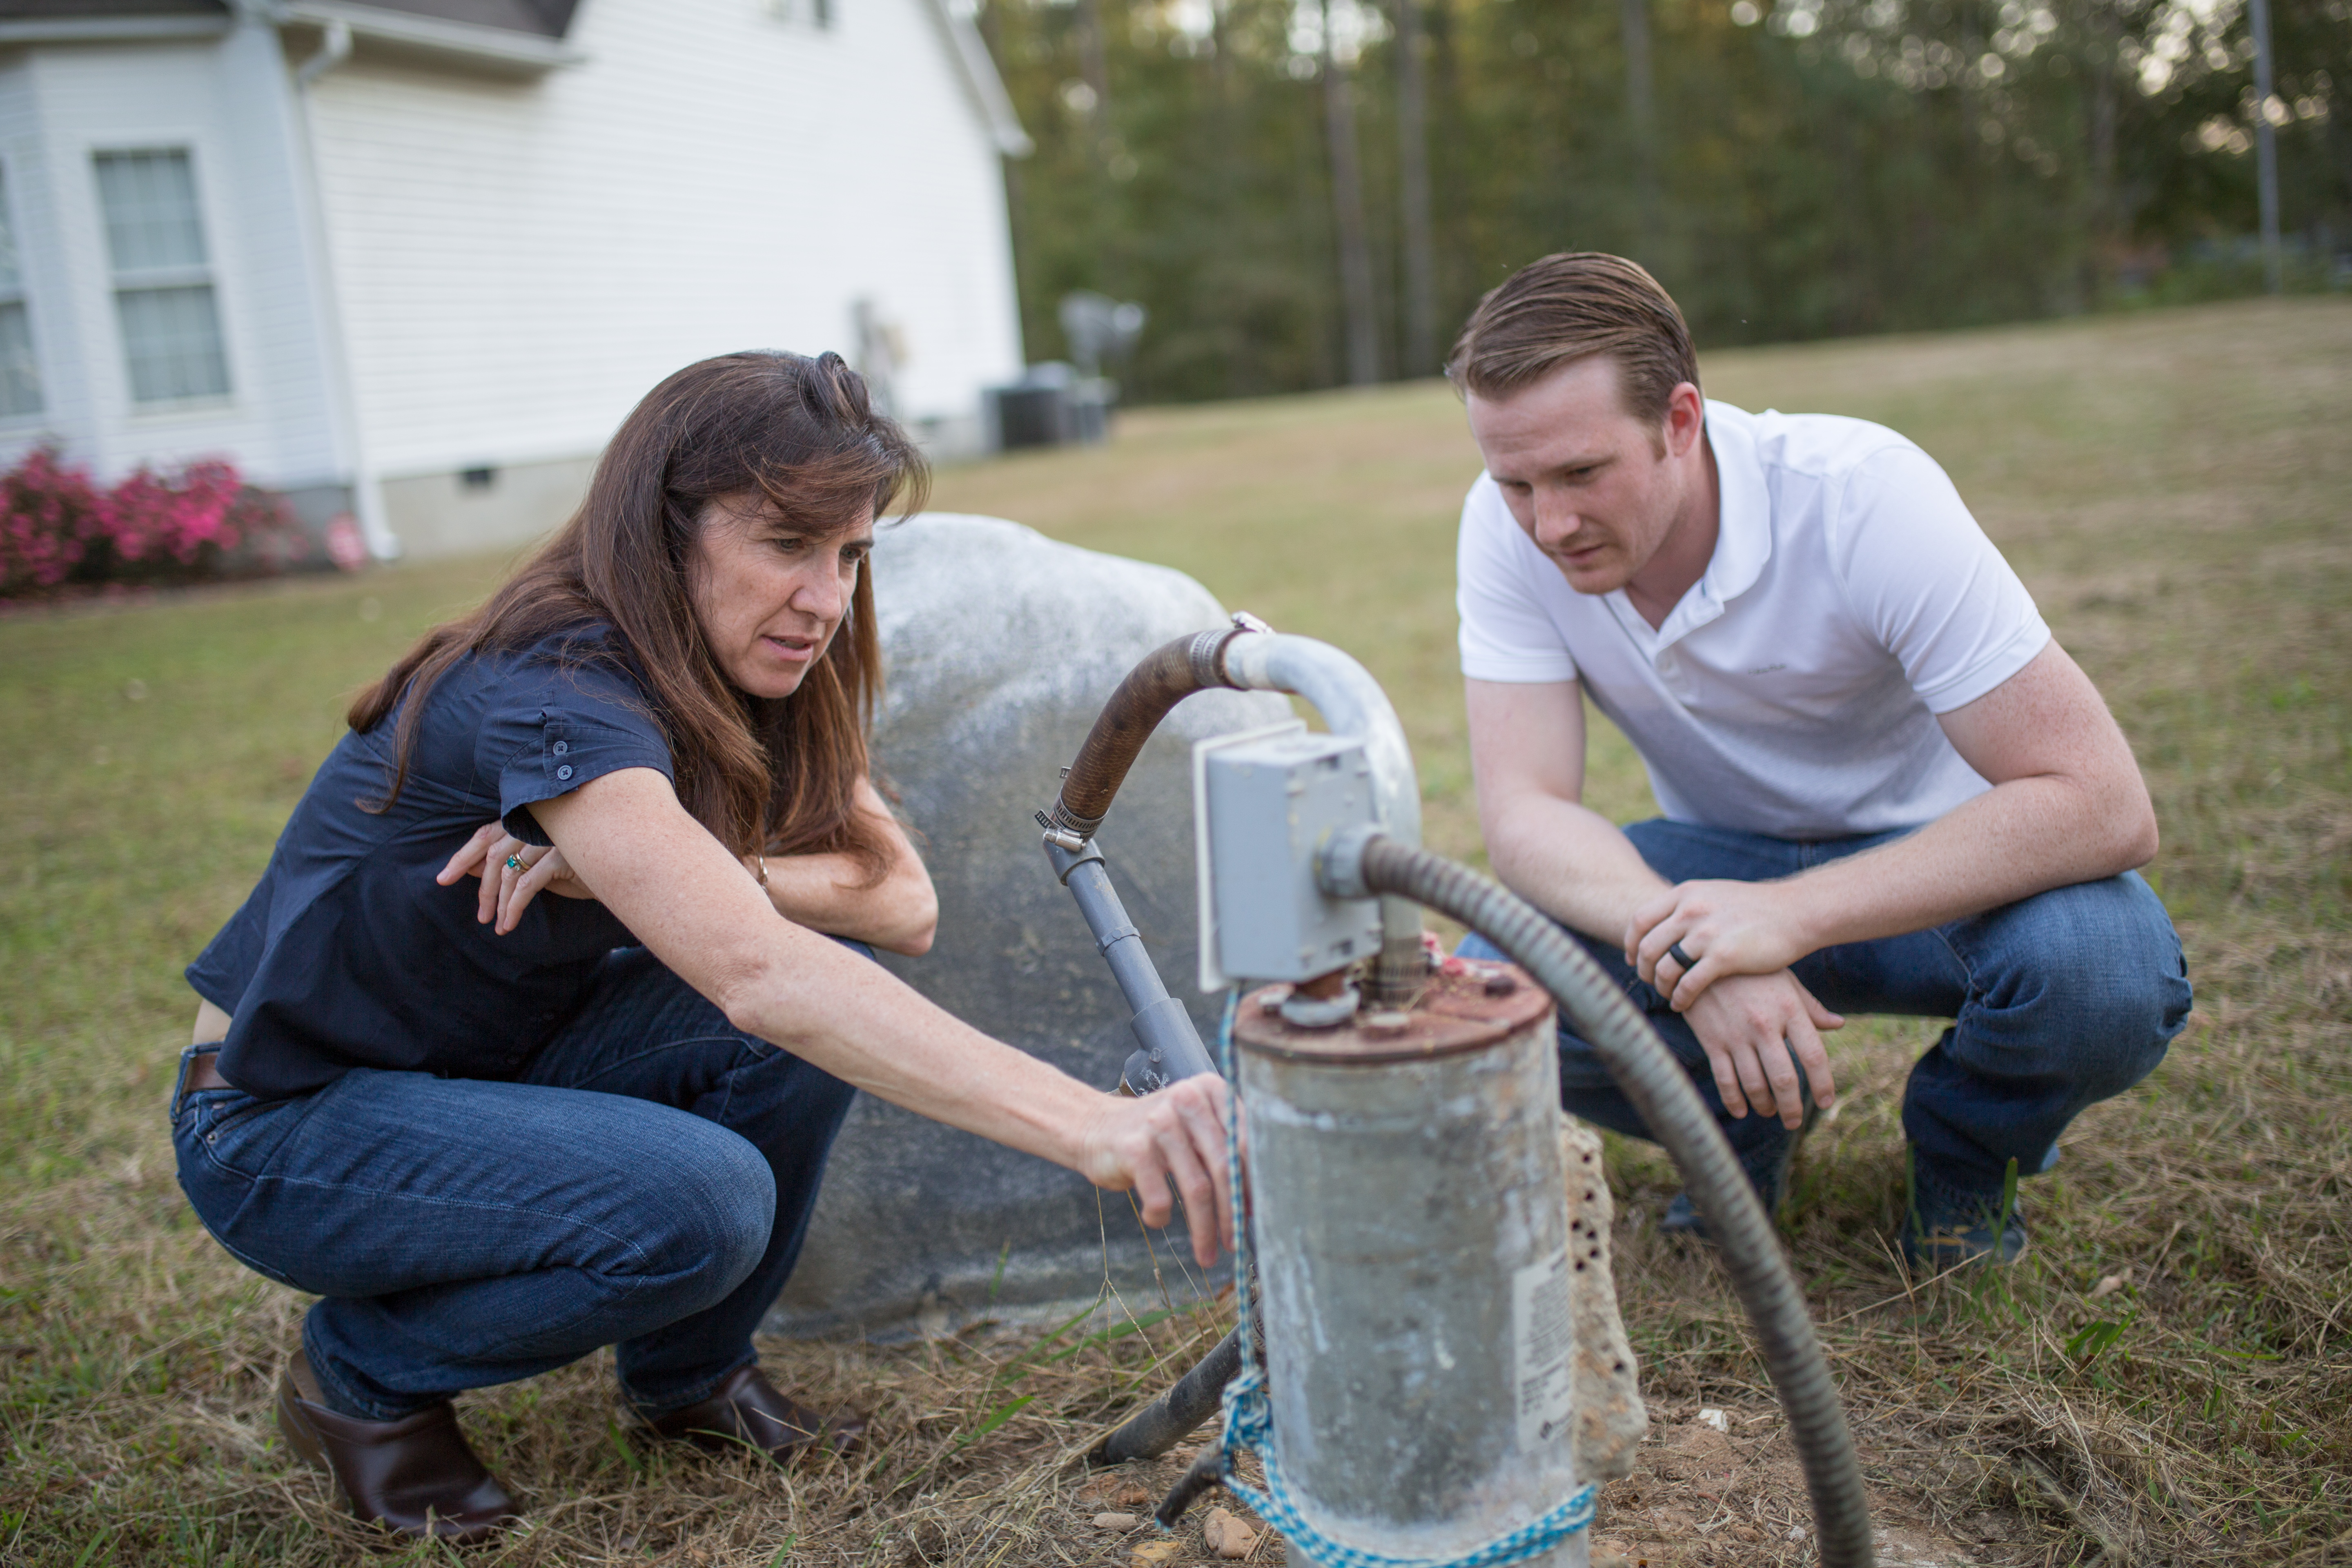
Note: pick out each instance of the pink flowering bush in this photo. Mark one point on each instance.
(49, 514)
(58, 528)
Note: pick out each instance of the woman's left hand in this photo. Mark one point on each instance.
(1176, 1134)
(512, 874)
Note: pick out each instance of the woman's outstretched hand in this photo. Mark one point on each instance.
(507, 889)
(1175, 1135)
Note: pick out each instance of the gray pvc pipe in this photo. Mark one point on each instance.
(1171, 1047)
(1360, 864)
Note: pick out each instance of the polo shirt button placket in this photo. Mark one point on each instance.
(1670, 676)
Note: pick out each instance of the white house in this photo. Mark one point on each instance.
(415, 258)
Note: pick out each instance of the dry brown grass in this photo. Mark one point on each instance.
(2176, 490)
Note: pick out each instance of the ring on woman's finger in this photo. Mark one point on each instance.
(1675, 951)
(514, 863)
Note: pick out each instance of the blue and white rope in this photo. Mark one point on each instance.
(1249, 1412)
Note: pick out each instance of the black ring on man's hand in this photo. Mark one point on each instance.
(1675, 951)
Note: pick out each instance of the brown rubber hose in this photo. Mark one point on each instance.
(1167, 675)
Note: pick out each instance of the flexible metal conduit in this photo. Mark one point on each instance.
(1358, 865)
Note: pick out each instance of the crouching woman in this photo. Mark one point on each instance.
(495, 1131)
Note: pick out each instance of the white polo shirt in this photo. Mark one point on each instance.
(1794, 689)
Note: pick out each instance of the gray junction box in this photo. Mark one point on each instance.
(1271, 803)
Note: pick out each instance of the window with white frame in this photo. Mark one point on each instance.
(162, 276)
(817, 13)
(20, 373)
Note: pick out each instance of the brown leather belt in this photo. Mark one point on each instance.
(201, 1072)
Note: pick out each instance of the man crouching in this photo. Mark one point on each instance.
(1887, 789)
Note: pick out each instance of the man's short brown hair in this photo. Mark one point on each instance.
(1569, 307)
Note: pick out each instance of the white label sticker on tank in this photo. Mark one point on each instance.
(1546, 1339)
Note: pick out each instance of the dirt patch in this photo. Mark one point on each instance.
(1698, 1498)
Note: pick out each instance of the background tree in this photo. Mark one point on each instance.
(1790, 168)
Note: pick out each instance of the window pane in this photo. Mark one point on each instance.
(20, 378)
(173, 339)
(12, 283)
(149, 200)
(20, 375)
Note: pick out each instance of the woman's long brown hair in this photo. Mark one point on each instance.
(776, 775)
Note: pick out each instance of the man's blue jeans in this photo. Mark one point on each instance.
(645, 1184)
(2058, 1001)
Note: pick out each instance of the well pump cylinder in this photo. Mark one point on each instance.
(1414, 1258)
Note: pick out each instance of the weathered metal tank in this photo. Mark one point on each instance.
(1416, 1263)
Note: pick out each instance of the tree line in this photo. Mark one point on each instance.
(1312, 193)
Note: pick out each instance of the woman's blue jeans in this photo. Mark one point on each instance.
(2058, 1001)
(645, 1184)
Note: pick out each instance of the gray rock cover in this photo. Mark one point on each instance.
(1002, 646)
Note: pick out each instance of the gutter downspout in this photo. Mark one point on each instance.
(367, 492)
(333, 50)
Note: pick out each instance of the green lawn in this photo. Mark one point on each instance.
(2177, 490)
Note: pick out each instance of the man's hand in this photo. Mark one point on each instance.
(1727, 928)
(1179, 1134)
(1751, 1026)
(1527, 744)
(1752, 1014)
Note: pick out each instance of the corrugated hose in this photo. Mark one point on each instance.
(1361, 864)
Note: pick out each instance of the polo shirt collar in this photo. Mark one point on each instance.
(1743, 535)
(1743, 530)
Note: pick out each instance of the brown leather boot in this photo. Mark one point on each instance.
(416, 1475)
(747, 1409)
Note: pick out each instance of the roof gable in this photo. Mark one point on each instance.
(540, 18)
(96, 10)
(545, 18)
(505, 37)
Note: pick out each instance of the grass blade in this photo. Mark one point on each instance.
(997, 1417)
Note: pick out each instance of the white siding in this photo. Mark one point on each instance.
(518, 263)
(225, 103)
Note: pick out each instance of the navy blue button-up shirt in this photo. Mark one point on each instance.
(349, 955)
